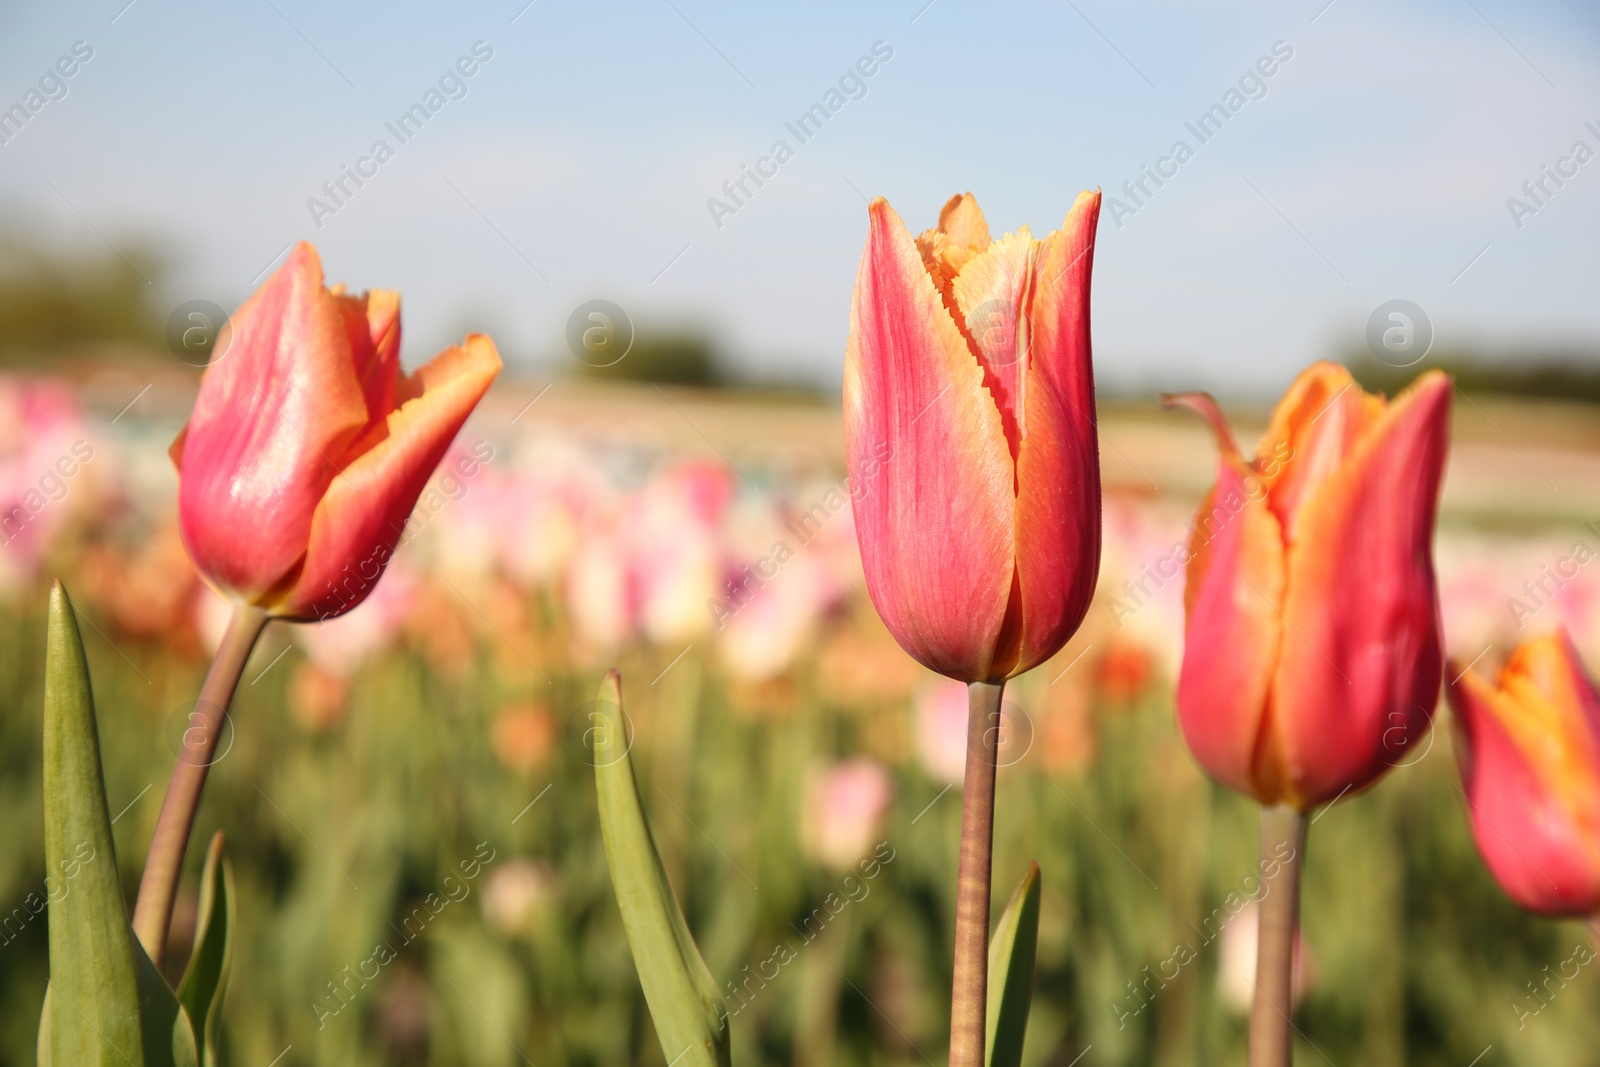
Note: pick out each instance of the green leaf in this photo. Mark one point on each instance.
(1011, 956)
(690, 1015)
(168, 1033)
(107, 1004)
(205, 982)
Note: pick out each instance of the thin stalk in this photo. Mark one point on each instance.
(1283, 846)
(970, 979)
(152, 915)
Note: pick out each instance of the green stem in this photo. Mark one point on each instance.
(970, 978)
(1283, 845)
(152, 915)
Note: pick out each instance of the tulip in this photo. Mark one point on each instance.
(308, 446)
(970, 430)
(1530, 770)
(975, 475)
(1311, 654)
(298, 469)
(1311, 657)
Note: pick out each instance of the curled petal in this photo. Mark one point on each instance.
(1205, 405)
(366, 507)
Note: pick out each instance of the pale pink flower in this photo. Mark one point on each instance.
(43, 450)
(674, 528)
(941, 730)
(600, 594)
(515, 892)
(843, 811)
(1236, 966)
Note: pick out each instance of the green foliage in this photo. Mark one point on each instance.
(52, 302)
(677, 358)
(205, 982)
(1419, 959)
(1553, 374)
(107, 1003)
(690, 1015)
(1012, 949)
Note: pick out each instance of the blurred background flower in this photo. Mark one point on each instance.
(845, 805)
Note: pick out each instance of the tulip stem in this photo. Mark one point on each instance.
(1283, 845)
(152, 915)
(970, 978)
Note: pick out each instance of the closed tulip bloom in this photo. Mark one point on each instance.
(1311, 661)
(970, 435)
(1530, 768)
(308, 446)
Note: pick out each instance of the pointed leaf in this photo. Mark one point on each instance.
(1011, 957)
(168, 1034)
(106, 1004)
(205, 982)
(690, 1015)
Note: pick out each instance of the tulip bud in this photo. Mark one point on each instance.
(308, 447)
(1311, 660)
(970, 435)
(1529, 749)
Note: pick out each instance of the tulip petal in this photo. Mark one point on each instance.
(1058, 456)
(269, 431)
(1234, 630)
(963, 221)
(1205, 405)
(991, 298)
(372, 322)
(932, 474)
(367, 505)
(1359, 675)
(1314, 429)
(1530, 768)
(961, 234)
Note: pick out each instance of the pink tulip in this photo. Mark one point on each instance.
(1530, 769)
(308, 446)
(1311, 661)
(970, 435)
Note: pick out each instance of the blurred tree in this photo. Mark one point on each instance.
(53, 301)
(677, 358)
(1552, 373)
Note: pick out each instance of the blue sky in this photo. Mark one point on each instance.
(578, 164)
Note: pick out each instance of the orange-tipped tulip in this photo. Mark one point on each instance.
(1311, 659)
(308, 447)
(970, 434)
(1530, 768)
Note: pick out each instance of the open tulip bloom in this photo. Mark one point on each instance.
(298, 469)
(970, 428)
(1311, 658)
(1529, 748)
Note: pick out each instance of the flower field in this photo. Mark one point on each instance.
(408, 790)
